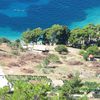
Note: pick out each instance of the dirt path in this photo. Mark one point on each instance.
(73, 51)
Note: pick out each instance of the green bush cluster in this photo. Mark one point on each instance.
(51, 58)
(15, 44)
(81, 52)
(61, 49)
(24, 90)
(4, 40)
(85, 37)
(85, 56)
(94, 50)
(59, 34)
(56, 34)
(26, 78)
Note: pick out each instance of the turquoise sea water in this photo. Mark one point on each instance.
(18, 15)
(93, 16)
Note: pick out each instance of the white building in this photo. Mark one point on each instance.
(4, 82)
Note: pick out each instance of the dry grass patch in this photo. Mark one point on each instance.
(96, 64)
(30, 71)
(13, 64)
(73, 62)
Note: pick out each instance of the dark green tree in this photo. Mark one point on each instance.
(57, 34)
(31, 35)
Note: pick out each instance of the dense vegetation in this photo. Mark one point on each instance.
(58, 34)
(55, 34)
(92, 50)
(86, 36)
(62, 49)
(43, 90)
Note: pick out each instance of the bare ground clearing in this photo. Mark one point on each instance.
(28, 64)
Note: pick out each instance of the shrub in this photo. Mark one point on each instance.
(45, 62)
(4, 40)
(89, 87)
(14, 45)
(26, 91)
(72, 86)
(85, 56)
(21, 49)
(84, 98)
(15, 52)
(61, 49)
(53, 58)
(93, 50)
(83, 47)
(82, 52)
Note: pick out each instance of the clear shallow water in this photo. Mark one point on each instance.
(93, 16)
(18, 15)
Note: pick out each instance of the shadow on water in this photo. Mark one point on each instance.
(55, 11)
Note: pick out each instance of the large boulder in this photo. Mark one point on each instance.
(57, 83)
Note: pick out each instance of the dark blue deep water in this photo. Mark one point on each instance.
(18, 15)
